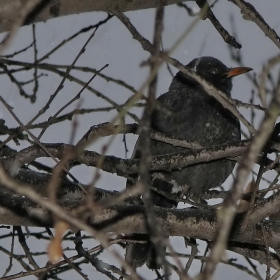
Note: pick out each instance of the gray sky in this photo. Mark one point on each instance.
(113, 44)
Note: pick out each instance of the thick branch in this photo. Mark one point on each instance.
(10, 9)
(191, 222)
(126, 167)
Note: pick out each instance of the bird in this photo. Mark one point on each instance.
(188, 112)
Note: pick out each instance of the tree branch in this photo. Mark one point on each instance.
(10, 9)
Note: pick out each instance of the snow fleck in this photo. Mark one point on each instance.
(196, 64)
(176, 189)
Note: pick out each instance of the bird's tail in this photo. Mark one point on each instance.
(138, 254)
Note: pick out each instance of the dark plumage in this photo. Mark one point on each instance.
(195, 117)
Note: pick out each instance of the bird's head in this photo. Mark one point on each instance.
(214, 71)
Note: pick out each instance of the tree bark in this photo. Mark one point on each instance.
(47, 9)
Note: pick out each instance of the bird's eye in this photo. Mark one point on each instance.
(214, 71)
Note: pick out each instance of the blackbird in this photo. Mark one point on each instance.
(194, 116)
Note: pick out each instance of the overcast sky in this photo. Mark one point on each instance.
(113, 44)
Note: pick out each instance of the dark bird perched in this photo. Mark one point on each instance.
(196, 117)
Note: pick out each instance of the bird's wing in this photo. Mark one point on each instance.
(180, 116)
